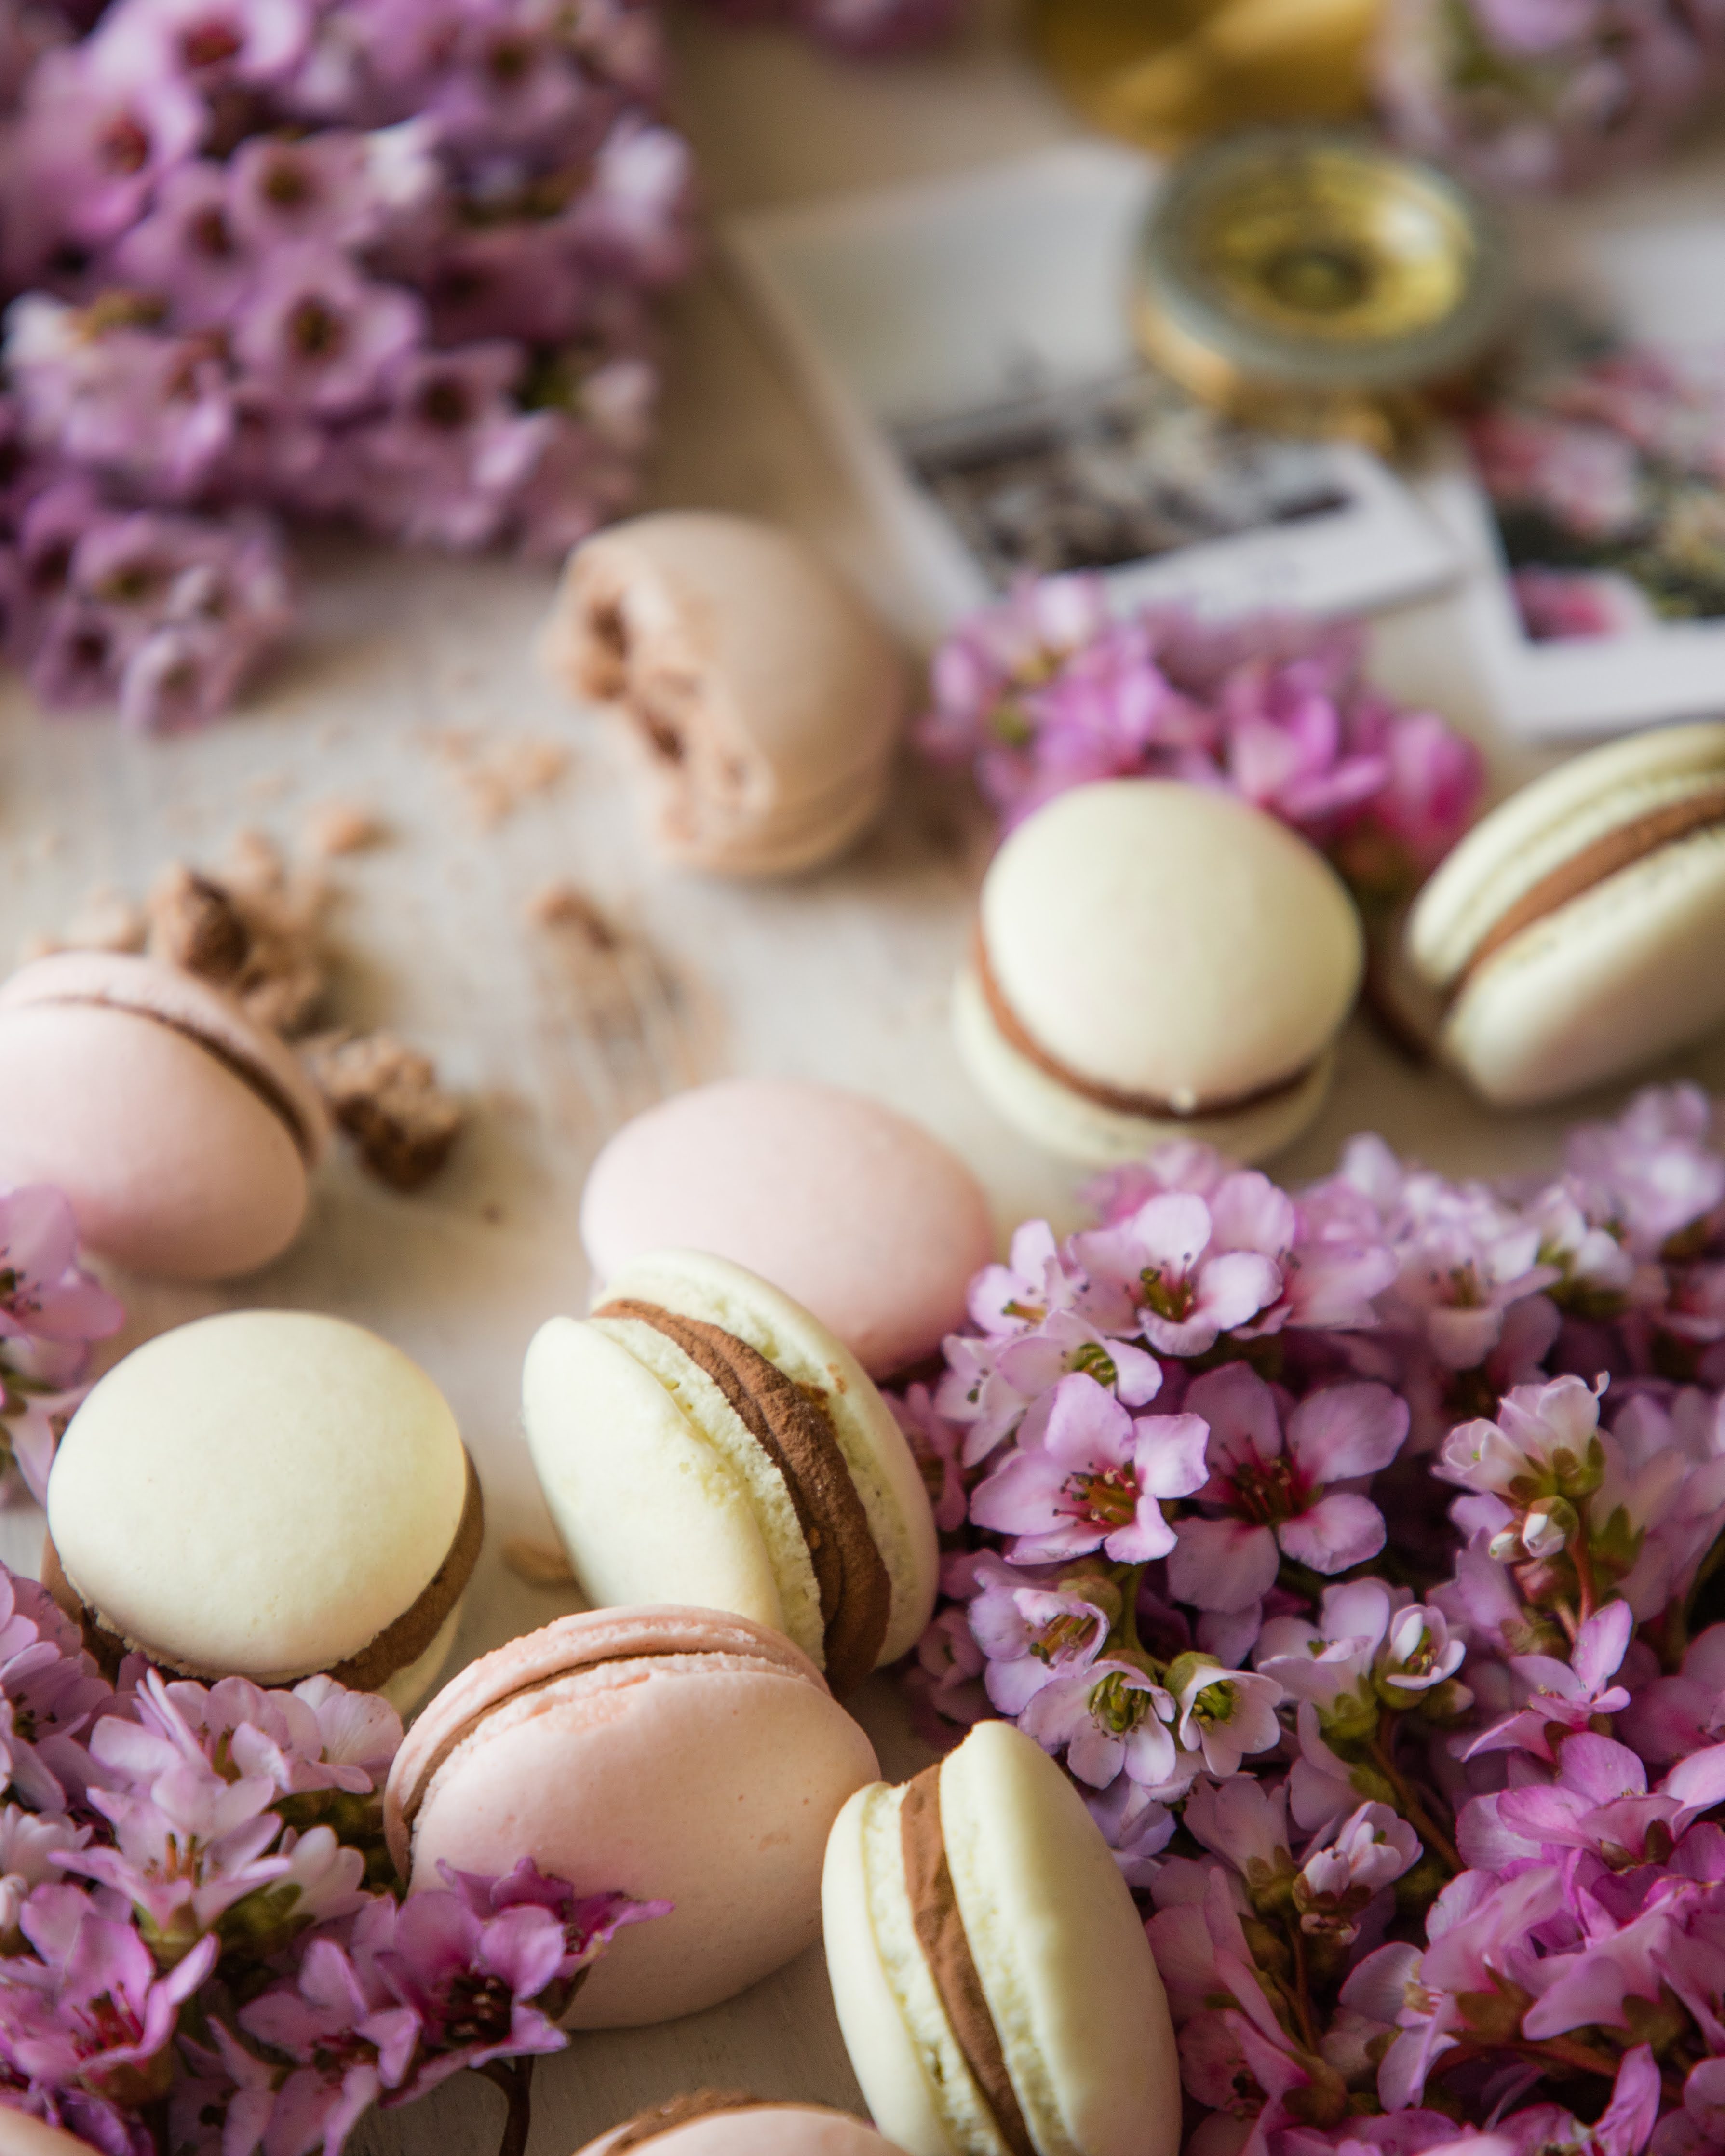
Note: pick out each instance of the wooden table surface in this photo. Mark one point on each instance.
(414, 679)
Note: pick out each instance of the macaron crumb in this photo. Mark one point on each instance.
(386, 1095)
(565, 906)
(538, 1564)
(333, 828)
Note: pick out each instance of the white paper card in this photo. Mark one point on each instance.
(968, 344)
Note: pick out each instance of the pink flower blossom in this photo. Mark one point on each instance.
(1111, 1718)
(1165, 1271)
(1032, 1633)
(1267, 1495)
(1092, 1479)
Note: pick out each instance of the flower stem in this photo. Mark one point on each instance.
(514, 2077)
(1582, 1557)
(1302, 1991)
(1129, 1608)
(1412, 1806)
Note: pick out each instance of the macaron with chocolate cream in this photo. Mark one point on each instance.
(674, 1754)
(1576, 932)
(184, 1137)
(764, 700)
(714, 2122)
(702, 1435)
(268, 1494)
(862, 1216)
(1154, 961)
(995, 1988)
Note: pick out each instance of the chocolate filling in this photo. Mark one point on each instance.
(253, 1076)
(1606, 857)
(939, 1934)
(794, 1432)
(681, 2110)
(397, 1646)
(1151, 1105)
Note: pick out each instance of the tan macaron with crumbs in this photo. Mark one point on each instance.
(702, 1436)
(763, 697)
(1577, 933)
(996, 1991)
(269, 1494)
(1157, 961)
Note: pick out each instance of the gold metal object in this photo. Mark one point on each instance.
(1167, 73)
(1311, 281)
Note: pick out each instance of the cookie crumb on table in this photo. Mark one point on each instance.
(252, 930)
(334, 828)
(386, 1097)
(565, 905)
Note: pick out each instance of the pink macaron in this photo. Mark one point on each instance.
(714, 2122)
(679, 1755)
(858, 1213)
(183, 1136)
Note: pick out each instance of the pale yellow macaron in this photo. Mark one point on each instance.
(1577, 933)
(1155, 961)
(702, 1436)
(994, 1985)
(267, 1494)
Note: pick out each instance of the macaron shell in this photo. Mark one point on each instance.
(183, 1001)
(799, 835)
(172, 1165)
(1072, 1987)
(860, 1215)
(1069, 1124)
(1607, 984)
(576, 1642)
(770, 2130)
(876, 1452)
(1171, 942)
(641, 1500)
(705, 1780)
(1538, 829)
(883, 2053)
(258, 1493)
(22, 2135)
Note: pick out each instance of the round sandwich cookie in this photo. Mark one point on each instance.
(763, 699)
(267, 1494)
(862, 1216)
(1577, 931)
(673, 1755)
(1155, 961)
(183, 1136)
(702, 1435)
(22, 2135)
(996, 1991)
(716, 2122)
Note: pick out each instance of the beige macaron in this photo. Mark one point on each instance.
(183, 1136)
(701, 1436)
(764, 700)
(267, 1494)
(1153, 961)
(1577, 933)
(994, 1985)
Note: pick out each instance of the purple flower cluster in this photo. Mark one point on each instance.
(51, 1313)
(1545, 93)
(1359, 1551)
(865, 27)
(385, 260)
(199, 1946)
(1049, 690)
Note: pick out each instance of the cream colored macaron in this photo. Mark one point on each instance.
(1577, 933)
(764, 699)
(996, 1991)
(1156, 960)
(701, 1436)
(267, 1494)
